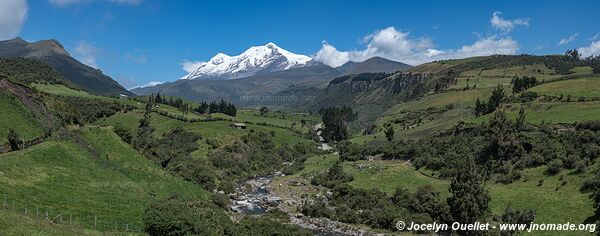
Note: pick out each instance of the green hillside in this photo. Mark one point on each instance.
(87, 174)
(14, 115)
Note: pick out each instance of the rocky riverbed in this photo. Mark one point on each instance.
(253, 197)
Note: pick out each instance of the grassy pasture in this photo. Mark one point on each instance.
(107, 178)
(587, 87)
(14, 115)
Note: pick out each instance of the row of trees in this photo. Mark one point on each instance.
(202, 108)
(523, 83)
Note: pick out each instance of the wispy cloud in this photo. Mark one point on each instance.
(400, 46)
(596, 36)
(568, 40)
(63, 3)
(136, 58)
(506, 25)
(87, 52)
(13, 14)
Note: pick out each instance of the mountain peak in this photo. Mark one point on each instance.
(256, 59)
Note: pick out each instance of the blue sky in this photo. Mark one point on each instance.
(140, 41)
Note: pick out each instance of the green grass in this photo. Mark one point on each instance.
(63, 177)
(566, 204)
(219, 130)
(13, 223)
(583, 87)
(461, 99)
(551, 112)
(281, 119)
(61, 90)
(14, 115)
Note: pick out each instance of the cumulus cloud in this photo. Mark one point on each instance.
(190, 66)
(13, 14)
(86, 52)
(593, 49)
(400, 46)
(564, 41)
(73, 2)
(506, 25)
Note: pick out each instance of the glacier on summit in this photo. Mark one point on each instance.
(257, 59)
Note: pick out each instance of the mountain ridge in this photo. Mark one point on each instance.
(53, 52)
(256, 59)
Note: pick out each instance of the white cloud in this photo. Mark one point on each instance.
(86, 52)
(329, 55)
(149, 84)
(506, 25)
(73, 2)
(13, 14)
(399, 46)
(190, 66)
(596, 36)
(571, 38)
(593, 49)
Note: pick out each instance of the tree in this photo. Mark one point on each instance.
(495, 99)
(573, 54)
(158, 98)
(389, 132)
(14, 140)
(480, 108)
(336, 121)
(521, 119)
(264, 111)
(469, 202)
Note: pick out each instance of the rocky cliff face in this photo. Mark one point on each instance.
(370, 94)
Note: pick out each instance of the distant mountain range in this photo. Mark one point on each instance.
(263, 74)
(53, 53)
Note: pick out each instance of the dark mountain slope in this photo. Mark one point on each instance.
(373, 65)
(253, 90)
(53, 53)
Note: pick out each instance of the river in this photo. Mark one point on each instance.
(252, 197)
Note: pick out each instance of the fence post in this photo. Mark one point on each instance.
(25, 211)
(13, 205)
(70, 217)
(126, 227)
(4, 203)
(115, 226)
(95, 220)
(37, 212)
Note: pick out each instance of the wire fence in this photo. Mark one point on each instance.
(84, 221)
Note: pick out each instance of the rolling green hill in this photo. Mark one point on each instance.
(85, 174)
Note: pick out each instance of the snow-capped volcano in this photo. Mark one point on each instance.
(257, 59)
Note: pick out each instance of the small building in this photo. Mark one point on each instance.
(239, 125)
